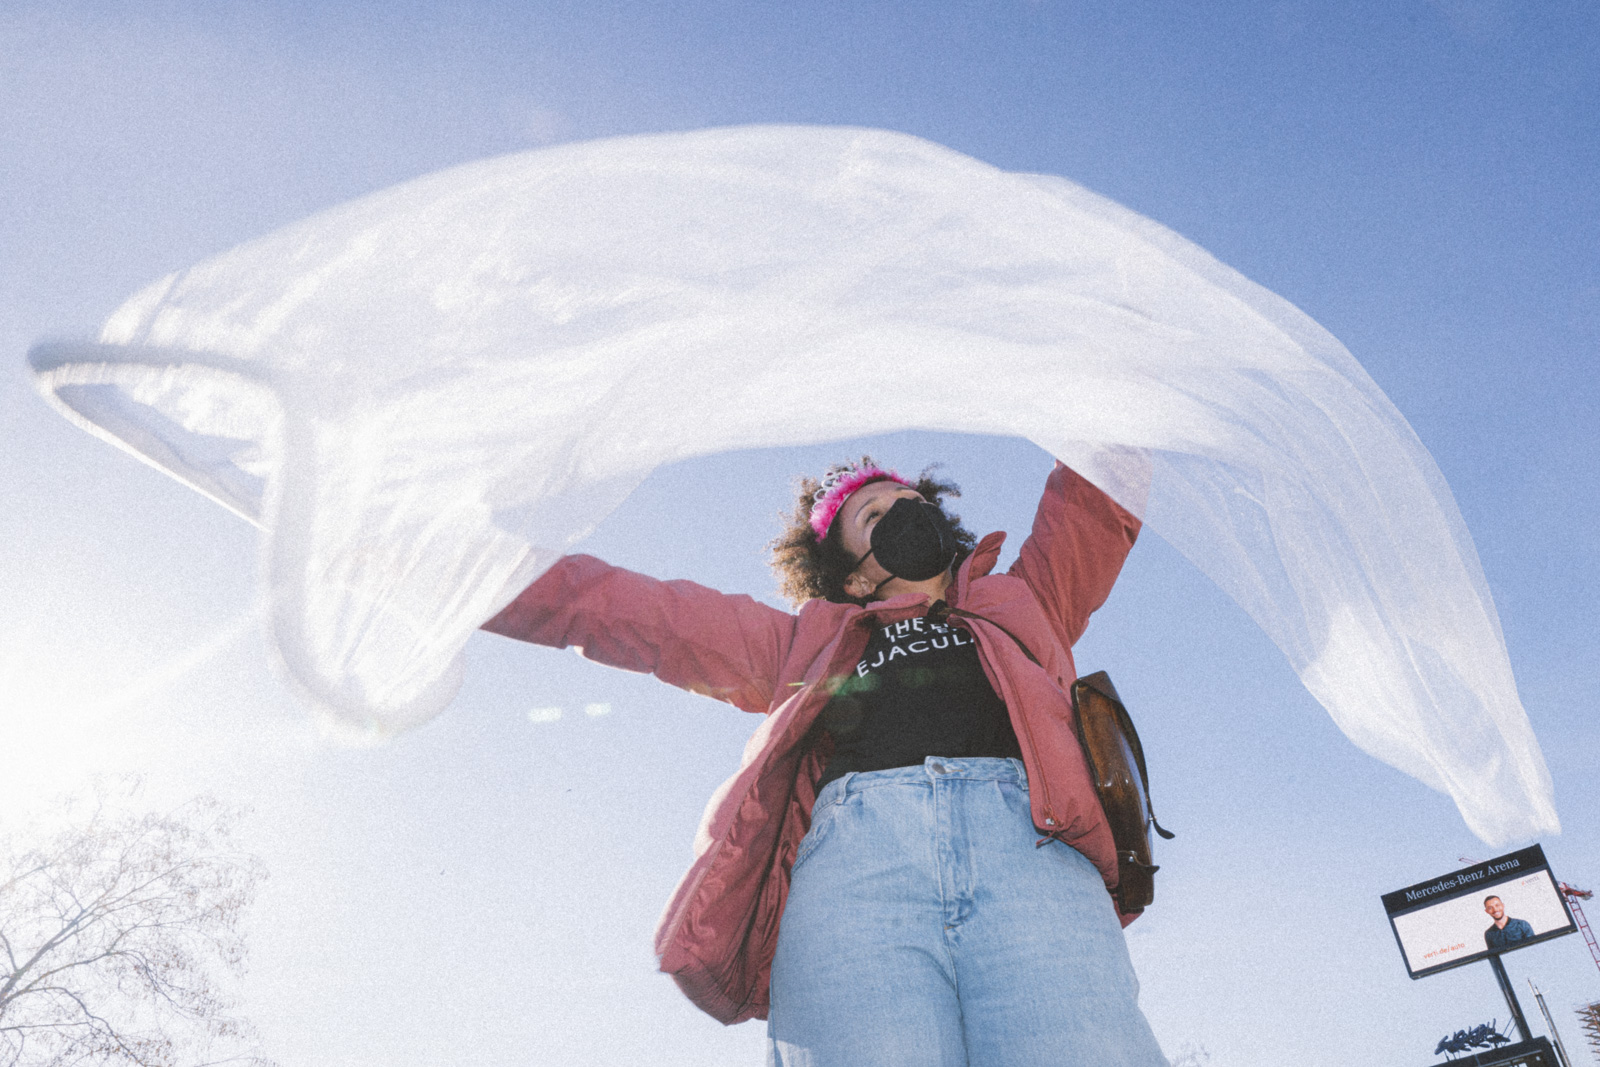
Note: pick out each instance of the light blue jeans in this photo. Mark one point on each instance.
(925, 929)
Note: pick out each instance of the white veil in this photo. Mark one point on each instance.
(427, 395)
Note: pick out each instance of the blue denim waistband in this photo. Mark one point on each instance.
(930, 770)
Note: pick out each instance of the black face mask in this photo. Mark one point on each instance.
(913, 541)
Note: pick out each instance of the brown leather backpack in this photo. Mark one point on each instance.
(1116, 766)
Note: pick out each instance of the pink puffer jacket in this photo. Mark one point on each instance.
(718, 933)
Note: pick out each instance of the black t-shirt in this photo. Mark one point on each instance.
(918, 691)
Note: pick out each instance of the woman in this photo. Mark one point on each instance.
(915, 808)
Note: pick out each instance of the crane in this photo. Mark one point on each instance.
(1589, 1015)
(1574, 895)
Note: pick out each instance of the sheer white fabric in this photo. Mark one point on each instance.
(427, 395)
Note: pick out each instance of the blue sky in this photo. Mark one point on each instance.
(1417, 176)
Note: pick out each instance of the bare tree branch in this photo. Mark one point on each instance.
(118, 931)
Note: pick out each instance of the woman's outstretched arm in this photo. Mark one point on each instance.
(1072, 557)
(716, 644)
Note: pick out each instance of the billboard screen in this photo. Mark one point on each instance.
(1507, 903)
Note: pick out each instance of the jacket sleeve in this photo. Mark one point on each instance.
(1072, 557)
(715, 644)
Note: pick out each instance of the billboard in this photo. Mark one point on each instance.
(1507, 903)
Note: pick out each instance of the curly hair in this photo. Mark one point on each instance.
(808, 568)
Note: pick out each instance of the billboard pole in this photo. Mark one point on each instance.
(1511, 996)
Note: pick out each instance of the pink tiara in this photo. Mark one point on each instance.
(837, 485)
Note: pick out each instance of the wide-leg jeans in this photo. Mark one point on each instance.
(924, 928)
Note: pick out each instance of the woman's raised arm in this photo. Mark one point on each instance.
(1072, 557)
(717, 644)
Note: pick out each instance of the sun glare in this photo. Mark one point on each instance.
(64, 715)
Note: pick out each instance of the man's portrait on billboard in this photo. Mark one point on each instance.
(1506, 932)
